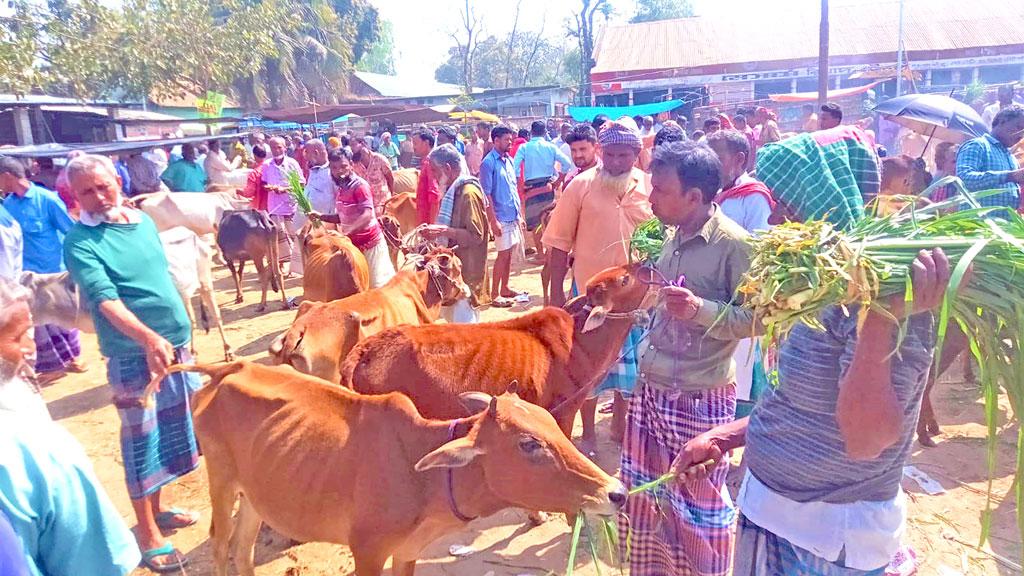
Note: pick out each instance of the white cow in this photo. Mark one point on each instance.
(55, 297)
(197, 211)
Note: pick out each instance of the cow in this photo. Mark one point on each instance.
(319, 463)
(200, 213)
(392, 232)
(406, 180)
(250, 234)
(54, 299)
(403, 208)
(333, 267)
(556, 355)
(190, 262)
(322, 334)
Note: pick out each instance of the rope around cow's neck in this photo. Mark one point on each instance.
(450, 480)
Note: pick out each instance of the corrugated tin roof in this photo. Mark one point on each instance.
(792, 33)
(400, 87)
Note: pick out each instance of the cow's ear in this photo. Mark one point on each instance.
(455, 454)
(595, 319)
(475, 402)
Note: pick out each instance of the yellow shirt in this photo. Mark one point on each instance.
(595, 222)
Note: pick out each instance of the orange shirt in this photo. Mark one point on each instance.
(594, 221)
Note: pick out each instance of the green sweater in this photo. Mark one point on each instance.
(126, 262)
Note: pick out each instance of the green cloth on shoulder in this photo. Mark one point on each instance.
(126, 262)
(824, 175)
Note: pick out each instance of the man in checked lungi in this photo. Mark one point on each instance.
(116, 259)
(686, 385)
(44, 221)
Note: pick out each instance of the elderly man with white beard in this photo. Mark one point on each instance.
(115, 257)
(55, 518)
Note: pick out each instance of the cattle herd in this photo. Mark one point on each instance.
(394, 429)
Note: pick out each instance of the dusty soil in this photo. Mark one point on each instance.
(504, 544)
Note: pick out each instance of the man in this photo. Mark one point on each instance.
(740, 122)
(648, 127)
(767, 127)
(594, 220)
(389, 150)
(428, 198)
(475, 152)
(564, 131)
(582, 141)
(711, 125)
(504, 214)
(319, 185)
(831, 116)
(185, 174)
(810, 118)
(986, 162)
(1004, 98)
(449, 135)
(219, 171)
(115, 257)
(686, 385)
(537, 159)
(744, 199)
(822, 494)
(375, 169)
(44, 222)
(144, 174)
(254, 183)
(280, 205)
(462, 223)
(355, 217)
(55, 509)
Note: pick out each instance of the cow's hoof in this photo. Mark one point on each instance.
(538, 518)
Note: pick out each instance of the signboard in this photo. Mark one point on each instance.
(212, 106)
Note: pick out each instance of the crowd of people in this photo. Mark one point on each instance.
(821, 494)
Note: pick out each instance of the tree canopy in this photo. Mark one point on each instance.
(264, 52)
(652, 10)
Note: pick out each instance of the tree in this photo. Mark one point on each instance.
(530, 60)
(467, 49)
(380, 58)
(582, 29)
(652, 10)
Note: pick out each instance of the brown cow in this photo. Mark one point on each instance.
(333, 267)
(403, 208)
(317, 462)
(557, 356)
(323, 333)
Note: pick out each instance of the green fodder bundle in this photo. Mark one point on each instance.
(799, 269)
(298, 193)
(647, 240)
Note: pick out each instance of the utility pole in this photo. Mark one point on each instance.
(823, 55)
(899, 54)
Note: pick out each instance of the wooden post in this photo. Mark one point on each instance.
(823, 55)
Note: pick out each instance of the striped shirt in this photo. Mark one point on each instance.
(985, 164)
(794, 446)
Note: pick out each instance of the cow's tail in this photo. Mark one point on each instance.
(216, 372)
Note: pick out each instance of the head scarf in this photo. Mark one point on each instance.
(622, 131)
(334, 142)
(825, 175)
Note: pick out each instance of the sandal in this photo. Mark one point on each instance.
(167, 520)
(167, 549)
(501, 302)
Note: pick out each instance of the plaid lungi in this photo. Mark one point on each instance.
(675, 529)
(762, 553)
(56, 348)
(157, 441)
(622, 375)
(535, 206)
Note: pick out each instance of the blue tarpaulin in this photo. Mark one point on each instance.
(587, 113)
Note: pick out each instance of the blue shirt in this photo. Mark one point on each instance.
(498, 179)
(126, 180)
(44, 221)
(985, 164)
(540, 156)
(794, 446)
(56, 506)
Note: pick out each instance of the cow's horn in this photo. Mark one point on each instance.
(512, 387)
(475, 402)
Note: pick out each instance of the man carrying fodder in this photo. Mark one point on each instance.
(825, 450)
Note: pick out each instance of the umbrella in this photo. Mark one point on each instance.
(934, 116)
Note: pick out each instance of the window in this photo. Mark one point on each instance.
(1000, 74)
(942, 77)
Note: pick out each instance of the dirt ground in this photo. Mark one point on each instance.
(942, 530)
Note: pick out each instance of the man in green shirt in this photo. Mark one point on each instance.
(115, 257)
(185, 174)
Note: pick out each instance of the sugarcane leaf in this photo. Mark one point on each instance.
(593, 546)
(955, 279)
(576, 531)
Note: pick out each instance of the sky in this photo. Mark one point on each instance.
(423, 29)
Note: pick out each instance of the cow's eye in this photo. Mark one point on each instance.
(530, 445)
(625, 280)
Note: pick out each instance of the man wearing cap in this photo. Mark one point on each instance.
(594, 220)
